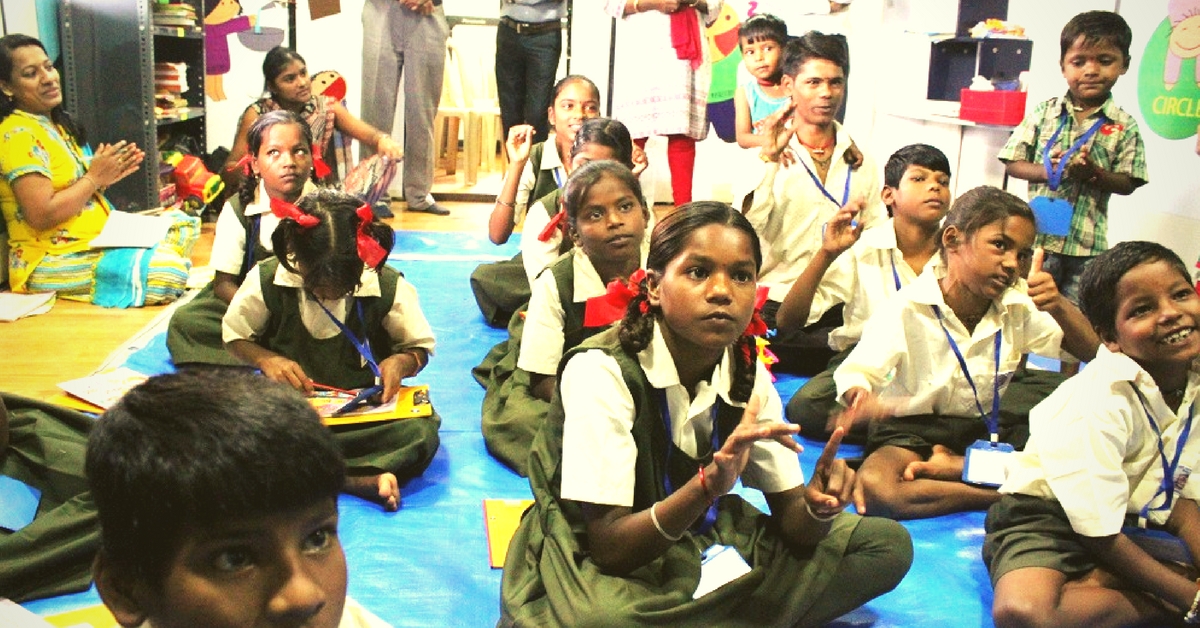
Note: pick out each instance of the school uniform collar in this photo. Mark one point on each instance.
(883, 238)
(369, 282)
(1124, 369)
(262, 203)
(587, 279)
(550, 158)
(659, 366)
(925, 290)
(1108, 107)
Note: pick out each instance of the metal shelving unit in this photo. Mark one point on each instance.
(109, 51)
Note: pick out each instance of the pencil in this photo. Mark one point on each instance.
(334, 389)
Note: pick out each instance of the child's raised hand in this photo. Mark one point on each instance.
(519, 143)
(831, 487)
(843, 230)
(1081, 167)
(280, 369)
(731, 459)
(854, 156)
(1042, 289)
(640, 162)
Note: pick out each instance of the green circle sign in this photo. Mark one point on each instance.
(1168, 87)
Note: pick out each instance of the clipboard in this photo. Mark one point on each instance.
(412, 402)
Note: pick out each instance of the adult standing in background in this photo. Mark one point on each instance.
(528, 46)
(406, 37)
(662, 73)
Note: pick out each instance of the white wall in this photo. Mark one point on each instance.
(887, 83)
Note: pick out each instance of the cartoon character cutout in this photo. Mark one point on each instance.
(329, 83)
(222, 18)
(1184, 41)
(726, 58)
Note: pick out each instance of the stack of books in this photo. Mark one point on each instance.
(170, 82)
(173, 14)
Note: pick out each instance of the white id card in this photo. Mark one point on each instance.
(987, 463)
(719, 564)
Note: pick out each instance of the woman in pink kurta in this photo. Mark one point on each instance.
(662, 74)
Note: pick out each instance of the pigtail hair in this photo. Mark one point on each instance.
(637, 327)
(249, 188)
(281, 242)
(745, 369)
(378, 231)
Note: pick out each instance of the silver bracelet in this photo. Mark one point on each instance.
(808, 507)
(1192, 617)
(658, 526)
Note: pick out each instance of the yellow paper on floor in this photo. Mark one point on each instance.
(91, 617)
(500, 520)
(412, 402)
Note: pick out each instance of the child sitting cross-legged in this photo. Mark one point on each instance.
(936, 358)
(328, 311)
(217, 496)
(1109, 455)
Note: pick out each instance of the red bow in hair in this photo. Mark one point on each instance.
(369, 250)
(242, 164)
(557, 223)
(283, 210)
(757, 326)
(319, 166)
(609, 307)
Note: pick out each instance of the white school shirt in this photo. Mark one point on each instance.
(405, 324)
(536, 255)
(229, 242)
(789, 210)
(542, 340)
(551, 162)
(1092, 449)
(598, 447)
(862, 278)
(904, 354)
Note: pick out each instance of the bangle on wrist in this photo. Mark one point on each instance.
(500, 201)
(708, 494)
(93, 182)
(828, 518)
(1192, 617)
(658, 526)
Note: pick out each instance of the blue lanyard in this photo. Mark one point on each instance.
(558, 180)
(364, 345)
(1167, 485)
(710, 516)
(992, 420)
(251, 243)
(895, 275)
(821, 186)
(1054, 174)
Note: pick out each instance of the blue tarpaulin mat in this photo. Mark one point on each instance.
(427, 564)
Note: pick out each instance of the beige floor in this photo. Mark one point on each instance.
(73, 339)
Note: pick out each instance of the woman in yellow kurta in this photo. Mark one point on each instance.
(51, 192)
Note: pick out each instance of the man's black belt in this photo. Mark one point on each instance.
(531, 28)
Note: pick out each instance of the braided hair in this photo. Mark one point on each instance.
(670, 238)
(256, 134)
(326, 254)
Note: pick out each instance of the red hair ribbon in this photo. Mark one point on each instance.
(242, 164)
(283, 209)
(609, 307)
(369, 250)
(557, 223)
(757, 326)
(319, 166)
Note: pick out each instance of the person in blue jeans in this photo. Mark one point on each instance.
(528, 47)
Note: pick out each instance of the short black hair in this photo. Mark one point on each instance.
(606, 132)
(275, 62)
(980, 207)
(813, 45)
(762, 27)
(922, 155)
(199, 447)
(580, 182)
(1098, 283)
(1096, 27)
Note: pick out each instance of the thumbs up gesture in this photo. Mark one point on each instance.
(1042, 289)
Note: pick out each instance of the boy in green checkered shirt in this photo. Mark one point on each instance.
(1079, 149)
